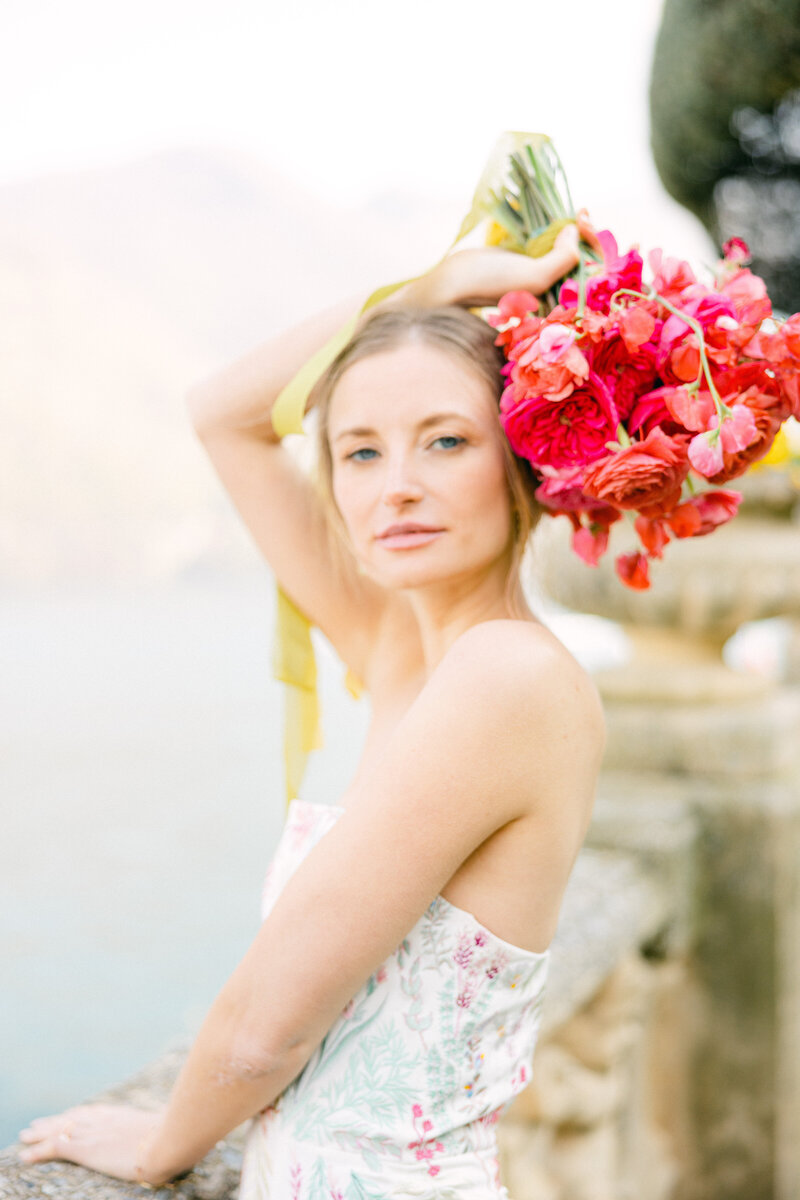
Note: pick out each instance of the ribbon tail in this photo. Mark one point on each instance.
(295, 665)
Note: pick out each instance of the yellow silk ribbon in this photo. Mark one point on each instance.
(293, 658)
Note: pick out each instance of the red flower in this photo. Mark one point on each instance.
(646, 475)
(653, 535)
(632, 570)
(715, 508)
(626, 372)
(564, 433)
(654, 408)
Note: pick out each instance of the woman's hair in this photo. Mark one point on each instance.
(466, 337)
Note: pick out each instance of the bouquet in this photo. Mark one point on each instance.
(630, 397)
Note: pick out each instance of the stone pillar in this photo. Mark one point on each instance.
(731, 744)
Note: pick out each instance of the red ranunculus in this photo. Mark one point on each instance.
(647, 475)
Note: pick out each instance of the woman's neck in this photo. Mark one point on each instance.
(446, 610)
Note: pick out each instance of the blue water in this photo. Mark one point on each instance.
(142, 797)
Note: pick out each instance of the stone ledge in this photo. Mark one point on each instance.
(611, 909)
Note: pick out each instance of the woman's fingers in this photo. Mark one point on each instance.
(587, 230)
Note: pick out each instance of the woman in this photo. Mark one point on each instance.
(387, 1010)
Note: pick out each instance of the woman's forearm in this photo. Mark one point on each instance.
(241, 395)
(220, 1085)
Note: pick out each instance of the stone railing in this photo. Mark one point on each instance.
(581, 1128)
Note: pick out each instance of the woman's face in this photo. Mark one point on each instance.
(416, 442)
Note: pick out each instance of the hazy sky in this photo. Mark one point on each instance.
(357, 95)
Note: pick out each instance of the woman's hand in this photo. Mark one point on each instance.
(482, 275)
(111, 1138)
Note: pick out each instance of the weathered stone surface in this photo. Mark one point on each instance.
(215, 1178)
(610, 909)
(722, 741)
(745, 1073)
(705, 586)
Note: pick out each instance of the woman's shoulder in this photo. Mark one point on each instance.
(523, 668)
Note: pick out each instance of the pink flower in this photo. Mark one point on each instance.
(515, 320)
(565, 434)
(671, 276)
(705, 453)
(738, 430)
(636, 326)
(715, 508)
(416, 1110)
(651, 410)
(590, 544)
(749, 295)
(619, 271)
(563, 492)
(548, 363)
(736, 250)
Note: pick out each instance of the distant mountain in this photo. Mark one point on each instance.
(120, 287)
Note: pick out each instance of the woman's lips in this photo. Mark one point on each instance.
(408, 539)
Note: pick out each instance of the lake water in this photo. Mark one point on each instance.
(142, 798)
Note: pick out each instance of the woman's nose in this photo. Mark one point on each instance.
(401, 482)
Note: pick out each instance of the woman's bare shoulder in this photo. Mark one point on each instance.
(522, 668)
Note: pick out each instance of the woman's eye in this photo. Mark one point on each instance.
(451, 438)
(363, 450)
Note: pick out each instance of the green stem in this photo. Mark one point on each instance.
(722, 409)
(581, 286)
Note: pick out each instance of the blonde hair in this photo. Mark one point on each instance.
(466, 337)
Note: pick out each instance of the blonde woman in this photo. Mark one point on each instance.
(388, 1008)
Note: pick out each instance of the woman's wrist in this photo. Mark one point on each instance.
(431, 290)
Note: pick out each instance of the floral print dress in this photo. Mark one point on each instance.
(401, 1097)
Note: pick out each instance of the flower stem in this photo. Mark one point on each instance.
(722, 409)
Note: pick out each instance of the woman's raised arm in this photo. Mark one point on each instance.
(231, 413)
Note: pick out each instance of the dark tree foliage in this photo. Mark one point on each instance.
(725, 126)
